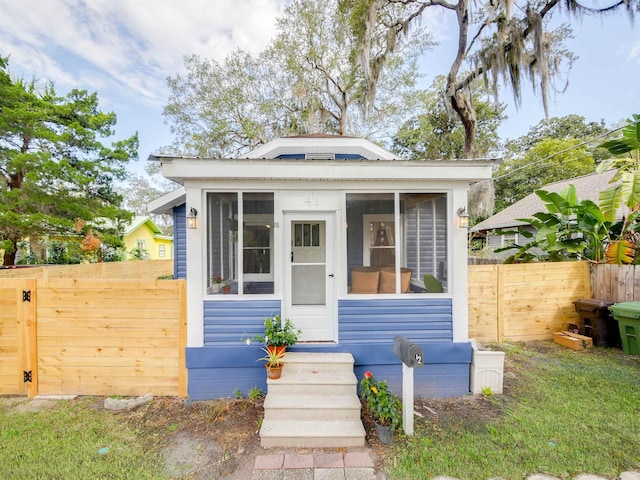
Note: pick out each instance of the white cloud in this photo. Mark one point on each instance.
(134, 44)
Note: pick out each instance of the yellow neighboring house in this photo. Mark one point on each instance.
(144, 234)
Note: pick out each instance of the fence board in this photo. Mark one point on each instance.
(17, 337)
(105, 341)
(143, 269)
(483, 303)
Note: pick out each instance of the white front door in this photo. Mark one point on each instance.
(310, 288)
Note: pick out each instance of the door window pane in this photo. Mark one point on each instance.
(308, 285)
(308, 264)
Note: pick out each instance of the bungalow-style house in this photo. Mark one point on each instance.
(334, 233)
(588, 187)
(142, 233)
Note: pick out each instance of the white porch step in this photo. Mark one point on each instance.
(313, 404)
(311, 407)
(309, 362)
(312, 434)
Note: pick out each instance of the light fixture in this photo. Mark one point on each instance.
(463, 218)
(192, 218)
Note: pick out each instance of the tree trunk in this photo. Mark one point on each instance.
(9, 259)
(457, 95)
(461, 103)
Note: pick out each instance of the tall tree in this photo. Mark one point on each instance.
(555, 149)
(308, 80)
(435, 132)
(551, 160)
(497, 40)
(222, 109)
(55, 174)
(315, 46)
(560, 128)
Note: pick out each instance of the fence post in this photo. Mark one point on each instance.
(182, 339)
(500, 307)
(27, 298)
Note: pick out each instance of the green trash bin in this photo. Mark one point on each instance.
(628, 316)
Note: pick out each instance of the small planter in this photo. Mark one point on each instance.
(384, 433)
(226, 289)
(274, 373)
(487, 370)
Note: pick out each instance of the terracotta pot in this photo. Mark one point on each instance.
(226, 289)
(274, 373)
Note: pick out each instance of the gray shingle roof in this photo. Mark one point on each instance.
(587, 187)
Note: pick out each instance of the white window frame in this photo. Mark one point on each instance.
(256, 220)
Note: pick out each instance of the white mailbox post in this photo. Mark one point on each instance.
(411, 356)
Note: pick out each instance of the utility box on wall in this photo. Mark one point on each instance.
(487, 370)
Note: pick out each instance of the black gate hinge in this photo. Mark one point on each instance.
(26, 295)
(27, 376)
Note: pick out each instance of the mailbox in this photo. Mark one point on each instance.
(408, 352)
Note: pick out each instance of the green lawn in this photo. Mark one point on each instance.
(73, 440)
(563, 413)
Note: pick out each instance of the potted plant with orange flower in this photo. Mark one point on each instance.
(273, 362)
(382, 404)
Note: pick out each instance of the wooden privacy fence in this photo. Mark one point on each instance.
(129, 269)
(128, 337)
(526, 301)
(92, 337)
(616, 283)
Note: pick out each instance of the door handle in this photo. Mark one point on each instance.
(292, 256)
(331, 275)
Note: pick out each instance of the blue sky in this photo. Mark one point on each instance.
(125, 49)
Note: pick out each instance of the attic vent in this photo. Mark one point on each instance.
(320, 156)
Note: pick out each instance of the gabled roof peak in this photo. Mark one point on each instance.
(322, 146)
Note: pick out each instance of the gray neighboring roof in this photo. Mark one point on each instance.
(166, 203)
(588, 187)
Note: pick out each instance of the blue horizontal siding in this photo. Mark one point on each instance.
(207, 384)
(229, 322)
(216, 372)
(421, 320)
(431, 381)
(180, 241)
(366, 330)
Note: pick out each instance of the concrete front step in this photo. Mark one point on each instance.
(325, 387)
(311, 407)
(309, 363)
(311, 434)
(313, 404)
(321, 378)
